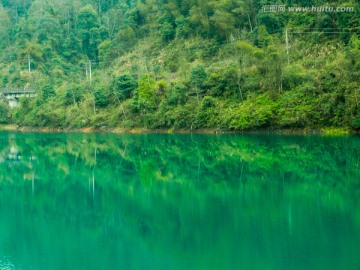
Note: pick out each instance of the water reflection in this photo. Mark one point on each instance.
(77, 201)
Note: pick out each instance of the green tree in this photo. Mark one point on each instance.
(146, 92)
(263, 37)
(5, 26)
(101, 98)
(89, 30)
(167, 31)
(177, 94)
(224, 23)
(48, 91)
(124, 40)
(198, 77)
(4, 112)
(123, 86)
(104, 51)
(182, 27)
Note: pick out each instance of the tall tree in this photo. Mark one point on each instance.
(88, 25)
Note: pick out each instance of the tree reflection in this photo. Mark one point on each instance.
(196, 195)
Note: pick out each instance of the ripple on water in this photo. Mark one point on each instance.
(7, 264)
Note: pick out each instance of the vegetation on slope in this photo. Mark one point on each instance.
(181, 64)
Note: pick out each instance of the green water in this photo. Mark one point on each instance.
(77, 201)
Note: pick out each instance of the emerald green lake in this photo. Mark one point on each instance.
(153, 201)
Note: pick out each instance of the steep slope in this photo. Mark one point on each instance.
(182, 64)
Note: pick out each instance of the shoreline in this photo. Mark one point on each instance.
(119, 130)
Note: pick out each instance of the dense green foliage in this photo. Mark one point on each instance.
(181, 64)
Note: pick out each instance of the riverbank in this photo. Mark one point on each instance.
(273, 130)
(10, 127)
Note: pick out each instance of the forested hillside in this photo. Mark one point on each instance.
(181, 64)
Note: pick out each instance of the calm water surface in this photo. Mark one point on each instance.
(78, 201)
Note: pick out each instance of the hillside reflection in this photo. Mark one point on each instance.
(180, 201)
(197, 160)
